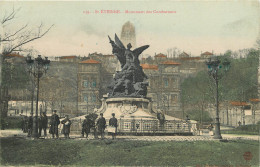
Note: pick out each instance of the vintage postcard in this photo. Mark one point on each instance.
(130, 83)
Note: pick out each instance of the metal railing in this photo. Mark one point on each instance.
(139, 126)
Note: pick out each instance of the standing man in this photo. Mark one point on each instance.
(66, 127)
(24, 124)
(101, 123)
(54, 123)
(43, 124)
(86, 125)
(113, 123)
(30, 125)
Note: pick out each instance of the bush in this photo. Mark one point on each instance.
(11, 122)
(244, 129)
(248, 128)
(196, 115)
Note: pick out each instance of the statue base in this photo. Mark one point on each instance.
(136, 116)
(127, 107)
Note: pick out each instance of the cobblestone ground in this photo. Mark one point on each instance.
(19, 133)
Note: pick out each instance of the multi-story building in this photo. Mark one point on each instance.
(164, 86)
(76, 85)
(95, 74)
(89, 85)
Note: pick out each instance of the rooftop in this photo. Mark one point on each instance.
(184, 54)
(255, 100)
(15, 55)
(68, 57)
(90, 61)
(160, 55)
(207, 53)
(238, 103)
(149, 66)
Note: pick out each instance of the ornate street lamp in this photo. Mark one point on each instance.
(37, 68)
(214, 67)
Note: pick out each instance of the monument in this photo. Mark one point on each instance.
(127, 97)
(130, 81)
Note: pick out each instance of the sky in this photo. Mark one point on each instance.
(197, 26)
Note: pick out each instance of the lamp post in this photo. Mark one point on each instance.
(37, 68)
(214, 67)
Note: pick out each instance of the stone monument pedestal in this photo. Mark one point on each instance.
(127, 108)
(136, 116)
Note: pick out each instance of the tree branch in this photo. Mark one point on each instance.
(7, 38)
(27, 39)
(10, 16)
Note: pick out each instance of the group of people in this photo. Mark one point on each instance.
(54, 125)
(27, 124)
(87, 125)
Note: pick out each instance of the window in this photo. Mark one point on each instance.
(166, 83)
(247, 107)
(85, 84)
(174, 98)
(93, 98)
(94, 84)
(85, 98)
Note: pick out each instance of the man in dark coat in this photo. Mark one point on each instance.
(30, 125)
(43, 124)
(87, 125)
(66, 126)
(113, 123)
(25, 124)
(101, 123)
(54, 123)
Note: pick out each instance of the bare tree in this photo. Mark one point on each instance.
(14, 40)
(173, 52)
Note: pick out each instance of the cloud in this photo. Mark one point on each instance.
(244, 27)
(89, 29)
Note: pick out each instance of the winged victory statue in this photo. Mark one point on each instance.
(130, 81)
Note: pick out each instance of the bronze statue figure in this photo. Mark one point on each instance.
(130, 80)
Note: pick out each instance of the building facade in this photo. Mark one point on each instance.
(164, 86)
(89, 85)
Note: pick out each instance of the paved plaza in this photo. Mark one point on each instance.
(20, 134)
